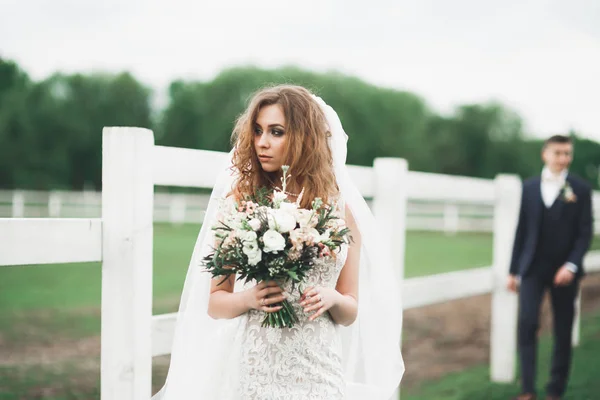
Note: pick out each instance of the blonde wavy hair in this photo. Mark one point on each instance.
(307, 151)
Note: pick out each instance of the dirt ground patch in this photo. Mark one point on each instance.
(448, 337)
(438, 339)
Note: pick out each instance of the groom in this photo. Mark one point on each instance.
(553, 235)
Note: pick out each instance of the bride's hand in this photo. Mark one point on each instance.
(263, 295)
(319, 300)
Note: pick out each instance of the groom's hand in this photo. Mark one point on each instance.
(563, 276)
(512, 283)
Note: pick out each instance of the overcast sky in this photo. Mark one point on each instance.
(542, 58)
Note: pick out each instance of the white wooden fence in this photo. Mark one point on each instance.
(122, 240)
(422, 214)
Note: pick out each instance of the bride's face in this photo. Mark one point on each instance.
(270, 137)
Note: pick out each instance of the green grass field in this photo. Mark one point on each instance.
(62, 288)
(77, 285)
(474, 383)
(60, 303)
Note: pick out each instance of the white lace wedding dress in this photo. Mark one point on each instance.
(302, 362)
(237, 359)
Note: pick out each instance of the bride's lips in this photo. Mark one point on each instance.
(264, 158)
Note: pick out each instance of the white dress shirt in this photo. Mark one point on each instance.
(552, 184)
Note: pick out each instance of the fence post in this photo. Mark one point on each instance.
(451, 219)
(18, 204)
(54, 205)
(577, 322)
(89, 195)
(127, 205)
(389, 207)
(177, 207)
(504, 303)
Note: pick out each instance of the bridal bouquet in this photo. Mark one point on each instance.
(266, 237)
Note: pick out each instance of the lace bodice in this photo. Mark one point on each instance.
(302, 362)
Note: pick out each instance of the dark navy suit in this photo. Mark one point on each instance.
(546, 239)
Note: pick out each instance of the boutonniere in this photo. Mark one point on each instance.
(568, 194)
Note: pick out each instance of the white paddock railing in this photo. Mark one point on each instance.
(176, 208)
(49, 241)
(122, 240)
(423, 213)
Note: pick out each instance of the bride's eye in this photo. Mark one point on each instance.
(277, 132)
(257, 131)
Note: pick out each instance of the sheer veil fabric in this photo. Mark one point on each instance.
(205, 352)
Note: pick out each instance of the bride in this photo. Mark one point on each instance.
(346, 343)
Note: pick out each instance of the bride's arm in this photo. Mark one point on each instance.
(344, 311)
(341, 302)
(227, 304)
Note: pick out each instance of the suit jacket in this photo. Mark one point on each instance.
(576, 225)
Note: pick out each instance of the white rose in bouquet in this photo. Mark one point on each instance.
(253, 252)
(289, 207)
(254, 224)
(279, 198)
(273, 241)
(281, 221)
(247, 236)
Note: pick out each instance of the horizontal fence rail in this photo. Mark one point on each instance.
(424, 212)
(434, 289)
(174, 166)
(48, 241)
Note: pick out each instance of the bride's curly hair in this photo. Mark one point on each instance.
(307, 151)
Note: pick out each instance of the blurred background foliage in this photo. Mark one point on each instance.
(51, 130)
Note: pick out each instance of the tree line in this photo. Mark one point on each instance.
(51, 130)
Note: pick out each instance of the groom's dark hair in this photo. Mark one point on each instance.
(557, 139)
